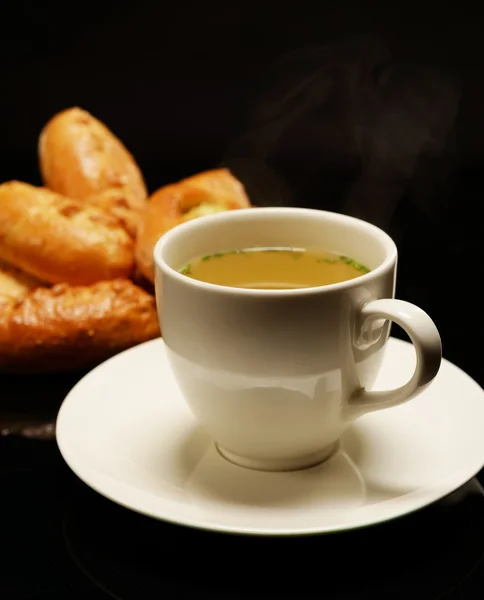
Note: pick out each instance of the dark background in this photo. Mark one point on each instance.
(369, 108)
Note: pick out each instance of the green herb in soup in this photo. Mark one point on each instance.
(273, 268)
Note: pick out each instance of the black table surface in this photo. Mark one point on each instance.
(64, 541)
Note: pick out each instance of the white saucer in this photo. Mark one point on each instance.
(125, 431)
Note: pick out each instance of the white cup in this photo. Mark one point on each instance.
(276, 376)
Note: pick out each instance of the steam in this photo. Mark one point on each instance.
(345, 127)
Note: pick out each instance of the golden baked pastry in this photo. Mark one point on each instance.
(15, 284)
(69, 297)
(81, 158)
(57, 239)
(116, 202)
(65, 328)
(203, 194)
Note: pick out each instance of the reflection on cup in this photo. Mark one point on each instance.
(276, 375)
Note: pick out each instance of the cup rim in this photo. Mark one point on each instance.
(168, 238)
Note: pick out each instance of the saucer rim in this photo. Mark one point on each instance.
(431, 495)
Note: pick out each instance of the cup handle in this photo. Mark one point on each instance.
(428, 347)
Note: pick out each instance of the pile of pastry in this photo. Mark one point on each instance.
(76, 255)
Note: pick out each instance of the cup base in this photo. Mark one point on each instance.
(283, 464)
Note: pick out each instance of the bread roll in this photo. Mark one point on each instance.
(15, 284)
(203, 194)
(117, 202)
(81, 158)
(57, 239)
(67, 328)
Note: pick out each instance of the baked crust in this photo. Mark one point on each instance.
(14, 283)
(81, 158)
(57, 239)
(66, 328)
